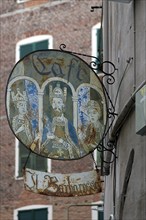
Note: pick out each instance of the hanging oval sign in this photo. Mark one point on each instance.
(56, 105)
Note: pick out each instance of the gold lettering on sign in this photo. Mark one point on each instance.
(61, 184)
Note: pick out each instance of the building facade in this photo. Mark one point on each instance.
(125, 47)
(26, 26)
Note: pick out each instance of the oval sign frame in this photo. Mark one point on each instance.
(56, 105)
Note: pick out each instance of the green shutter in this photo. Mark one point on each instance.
(99, 38)
(25, 49)
(28, 48)
(42, 45)
(100, 215)
(25, 215)
(35, 214)
(34, 161)
(40, 163)
(99, 43)
(40, 214)
(23, 155)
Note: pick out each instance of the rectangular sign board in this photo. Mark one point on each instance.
(62, 185)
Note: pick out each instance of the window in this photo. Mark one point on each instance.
(31, 44)
(97, 51)
(34, 212)
(97, 43)
(34, 161)
(97, 211)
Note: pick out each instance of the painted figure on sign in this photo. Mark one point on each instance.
(21, 122)
(92, 133)
(62, 141)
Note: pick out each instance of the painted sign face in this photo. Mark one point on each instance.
(56, 105)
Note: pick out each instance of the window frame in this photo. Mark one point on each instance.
(26, 41)
(94, 39)
(32, 207)
(30, 40)
(94, 44)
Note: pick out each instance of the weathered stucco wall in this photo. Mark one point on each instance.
(127, 43)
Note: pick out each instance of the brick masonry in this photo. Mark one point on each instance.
(69, 22)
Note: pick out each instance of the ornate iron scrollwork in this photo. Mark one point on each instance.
(97, 65)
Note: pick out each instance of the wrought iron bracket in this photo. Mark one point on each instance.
(109, 79)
